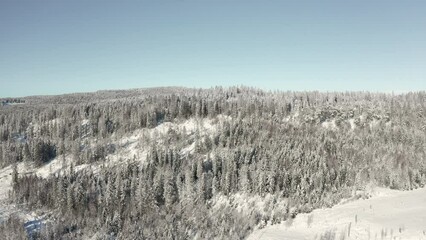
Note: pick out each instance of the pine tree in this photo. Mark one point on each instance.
(170, 190)
(15, 176)
(27, 154)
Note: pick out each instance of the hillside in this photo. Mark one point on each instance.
(220, 163)
(387, 214)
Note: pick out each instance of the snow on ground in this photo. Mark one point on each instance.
(329, 125)
(292, 118)
(6, 180)
(11, 103)
(190, 125)
(32, 220)
(54, 166)
(189, 149)
(36, 127)
(389, 214)
(131, 146)
(374, 123)
(128, 148)
(249, 204)
(243, 202)
(85, 122)
(352, 123)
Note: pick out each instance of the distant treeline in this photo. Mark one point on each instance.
(6, 101)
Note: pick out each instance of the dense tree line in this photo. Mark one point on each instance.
(273, 144)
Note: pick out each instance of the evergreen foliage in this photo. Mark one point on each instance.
(271, 145)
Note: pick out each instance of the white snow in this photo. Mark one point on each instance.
(248, 204)
(189, 149)
(12, 103)
(374, 123)
(128, 148)
(5, 181)
(389, 214)
(85, 122)
(331, 125)
(242, 202)
(6, 208)
(131, 146)
(55, 165)
(352, 123)
(292, 118)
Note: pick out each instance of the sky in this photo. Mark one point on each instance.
(55, 47)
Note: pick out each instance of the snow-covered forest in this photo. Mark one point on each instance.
(180, 163)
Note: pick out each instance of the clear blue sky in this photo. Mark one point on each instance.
(53, 47)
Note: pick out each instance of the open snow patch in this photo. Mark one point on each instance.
(331, 125)
(389, 214)
(54, 166)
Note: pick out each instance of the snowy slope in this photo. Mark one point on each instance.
(131, 146)
(6, 208)
(389, 214)
(6, 180)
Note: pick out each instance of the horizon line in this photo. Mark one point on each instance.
(391, 92)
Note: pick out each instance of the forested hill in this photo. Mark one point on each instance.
(99, 96)
(179, 163)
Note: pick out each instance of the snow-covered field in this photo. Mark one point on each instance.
(388, 214)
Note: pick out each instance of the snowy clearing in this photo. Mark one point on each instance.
(389, 214)
(131, 146)
(329, 125)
